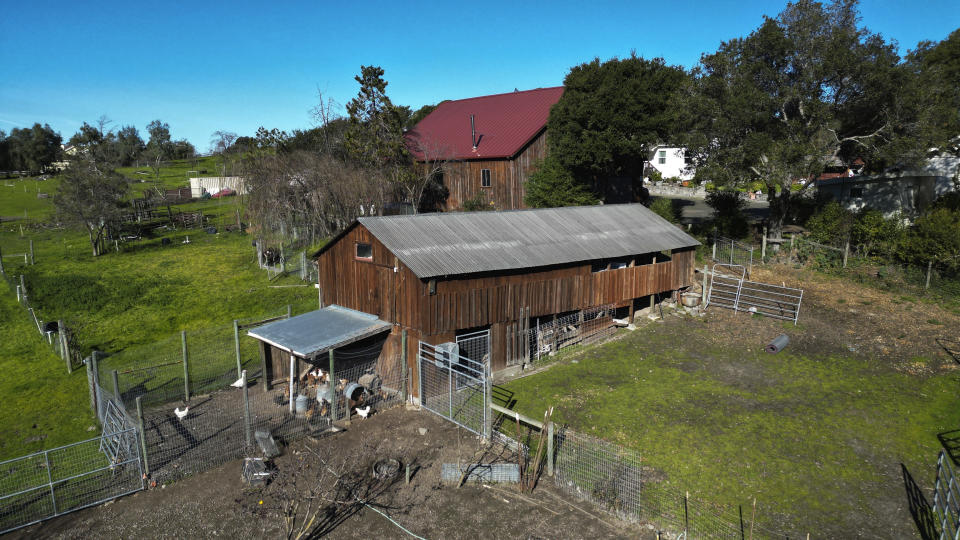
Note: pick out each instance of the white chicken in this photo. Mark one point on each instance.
(181, 414)
(238, 383)
(364, 412)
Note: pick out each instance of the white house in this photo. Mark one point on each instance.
(671, 162)
(907, 191)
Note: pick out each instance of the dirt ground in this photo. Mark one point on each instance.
(218, 503)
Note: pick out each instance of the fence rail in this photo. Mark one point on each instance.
(946, 499)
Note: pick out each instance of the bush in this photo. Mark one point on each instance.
(728, 216)
(933, 236)
(477, 203)
(668, 209)
(831, 225)
(874, 234)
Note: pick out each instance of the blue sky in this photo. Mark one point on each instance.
(205, 66)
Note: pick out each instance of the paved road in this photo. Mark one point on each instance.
(696, 210)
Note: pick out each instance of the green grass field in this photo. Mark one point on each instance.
(817, 438)
(143, 294)
(18, 198)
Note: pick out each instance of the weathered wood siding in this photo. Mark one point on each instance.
(508, 177)
(398, 296)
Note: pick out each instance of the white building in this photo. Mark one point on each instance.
(908, 192)
(671, 162)
(215, 184)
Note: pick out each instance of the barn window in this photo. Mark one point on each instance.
(484, 177)
(364, 251)
(616, 265)
(663, 157)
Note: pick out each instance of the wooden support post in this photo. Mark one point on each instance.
(186, 368)
(246, 409)
(550, 448)
(143, 437)
(846, 252)
(31, 252)
(333, 390)
(929, 271)
(236, 345)
(264, 376)
(405, 369)
(633, 302)
(116, 384)
(763, 246)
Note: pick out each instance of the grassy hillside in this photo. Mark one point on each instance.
(43, 406)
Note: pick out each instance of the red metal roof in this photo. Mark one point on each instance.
(505, 123)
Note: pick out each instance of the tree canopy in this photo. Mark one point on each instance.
(807, 89)
(91, 196)
(610, 115)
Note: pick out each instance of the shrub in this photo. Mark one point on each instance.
(933, 236)
(831, 225)
(728, 216)
(668, 209)
(477, 203)
(552, 185)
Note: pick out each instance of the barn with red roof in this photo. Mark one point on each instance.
(484, 148)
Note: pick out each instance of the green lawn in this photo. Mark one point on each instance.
(18, 198)
(43, 407)
(816, 439)
(144, 294)
(173, 174)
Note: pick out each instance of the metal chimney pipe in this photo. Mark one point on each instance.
(473, 132)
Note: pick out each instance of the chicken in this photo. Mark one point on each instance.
(364, 412)
(238, 383)
(181, 414)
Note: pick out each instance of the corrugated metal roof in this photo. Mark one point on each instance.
(317, 331)
(505, 123)
(469, 242)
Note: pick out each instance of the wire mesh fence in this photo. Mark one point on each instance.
(454, 386)
(547, 336)
(615, 479)
(64, 479)
(730, 251)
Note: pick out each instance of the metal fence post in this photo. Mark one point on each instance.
(404, 369)
(246, 409)
(763, 246)
(236, 344)
(143, 437)
(91, 386)
(714, 255)
(419, 374)
(186, 369)
(333, 390)
(703, 292)
(53, 496)
(64, 349)
(731, 251)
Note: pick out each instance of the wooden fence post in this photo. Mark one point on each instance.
(186, 369)
(143, 437)
(236, 344)
(846, 252)
(31, 253)
(403, 359)
(91, 386)
(289, 311)
(550, 448)
(116, 384)
(703, 292)
(929, 271)
(2, 271)
(763, 248)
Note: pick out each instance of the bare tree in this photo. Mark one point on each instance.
(426, 172)
(91, 197)
(220, 143)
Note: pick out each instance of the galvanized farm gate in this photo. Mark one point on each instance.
(946, 500)
(730, 252)
(54, 482)
(455, 381)
(730, 289)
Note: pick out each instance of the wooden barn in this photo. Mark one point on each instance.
(440, 276)
(485, 145)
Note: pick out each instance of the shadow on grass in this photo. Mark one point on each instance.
(920, 508)
(951, 444)
(952, 346)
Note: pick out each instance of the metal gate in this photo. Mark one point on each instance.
(946, 500)
(454, 385)
(54, 482)
(730, 252)
(730, 289)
